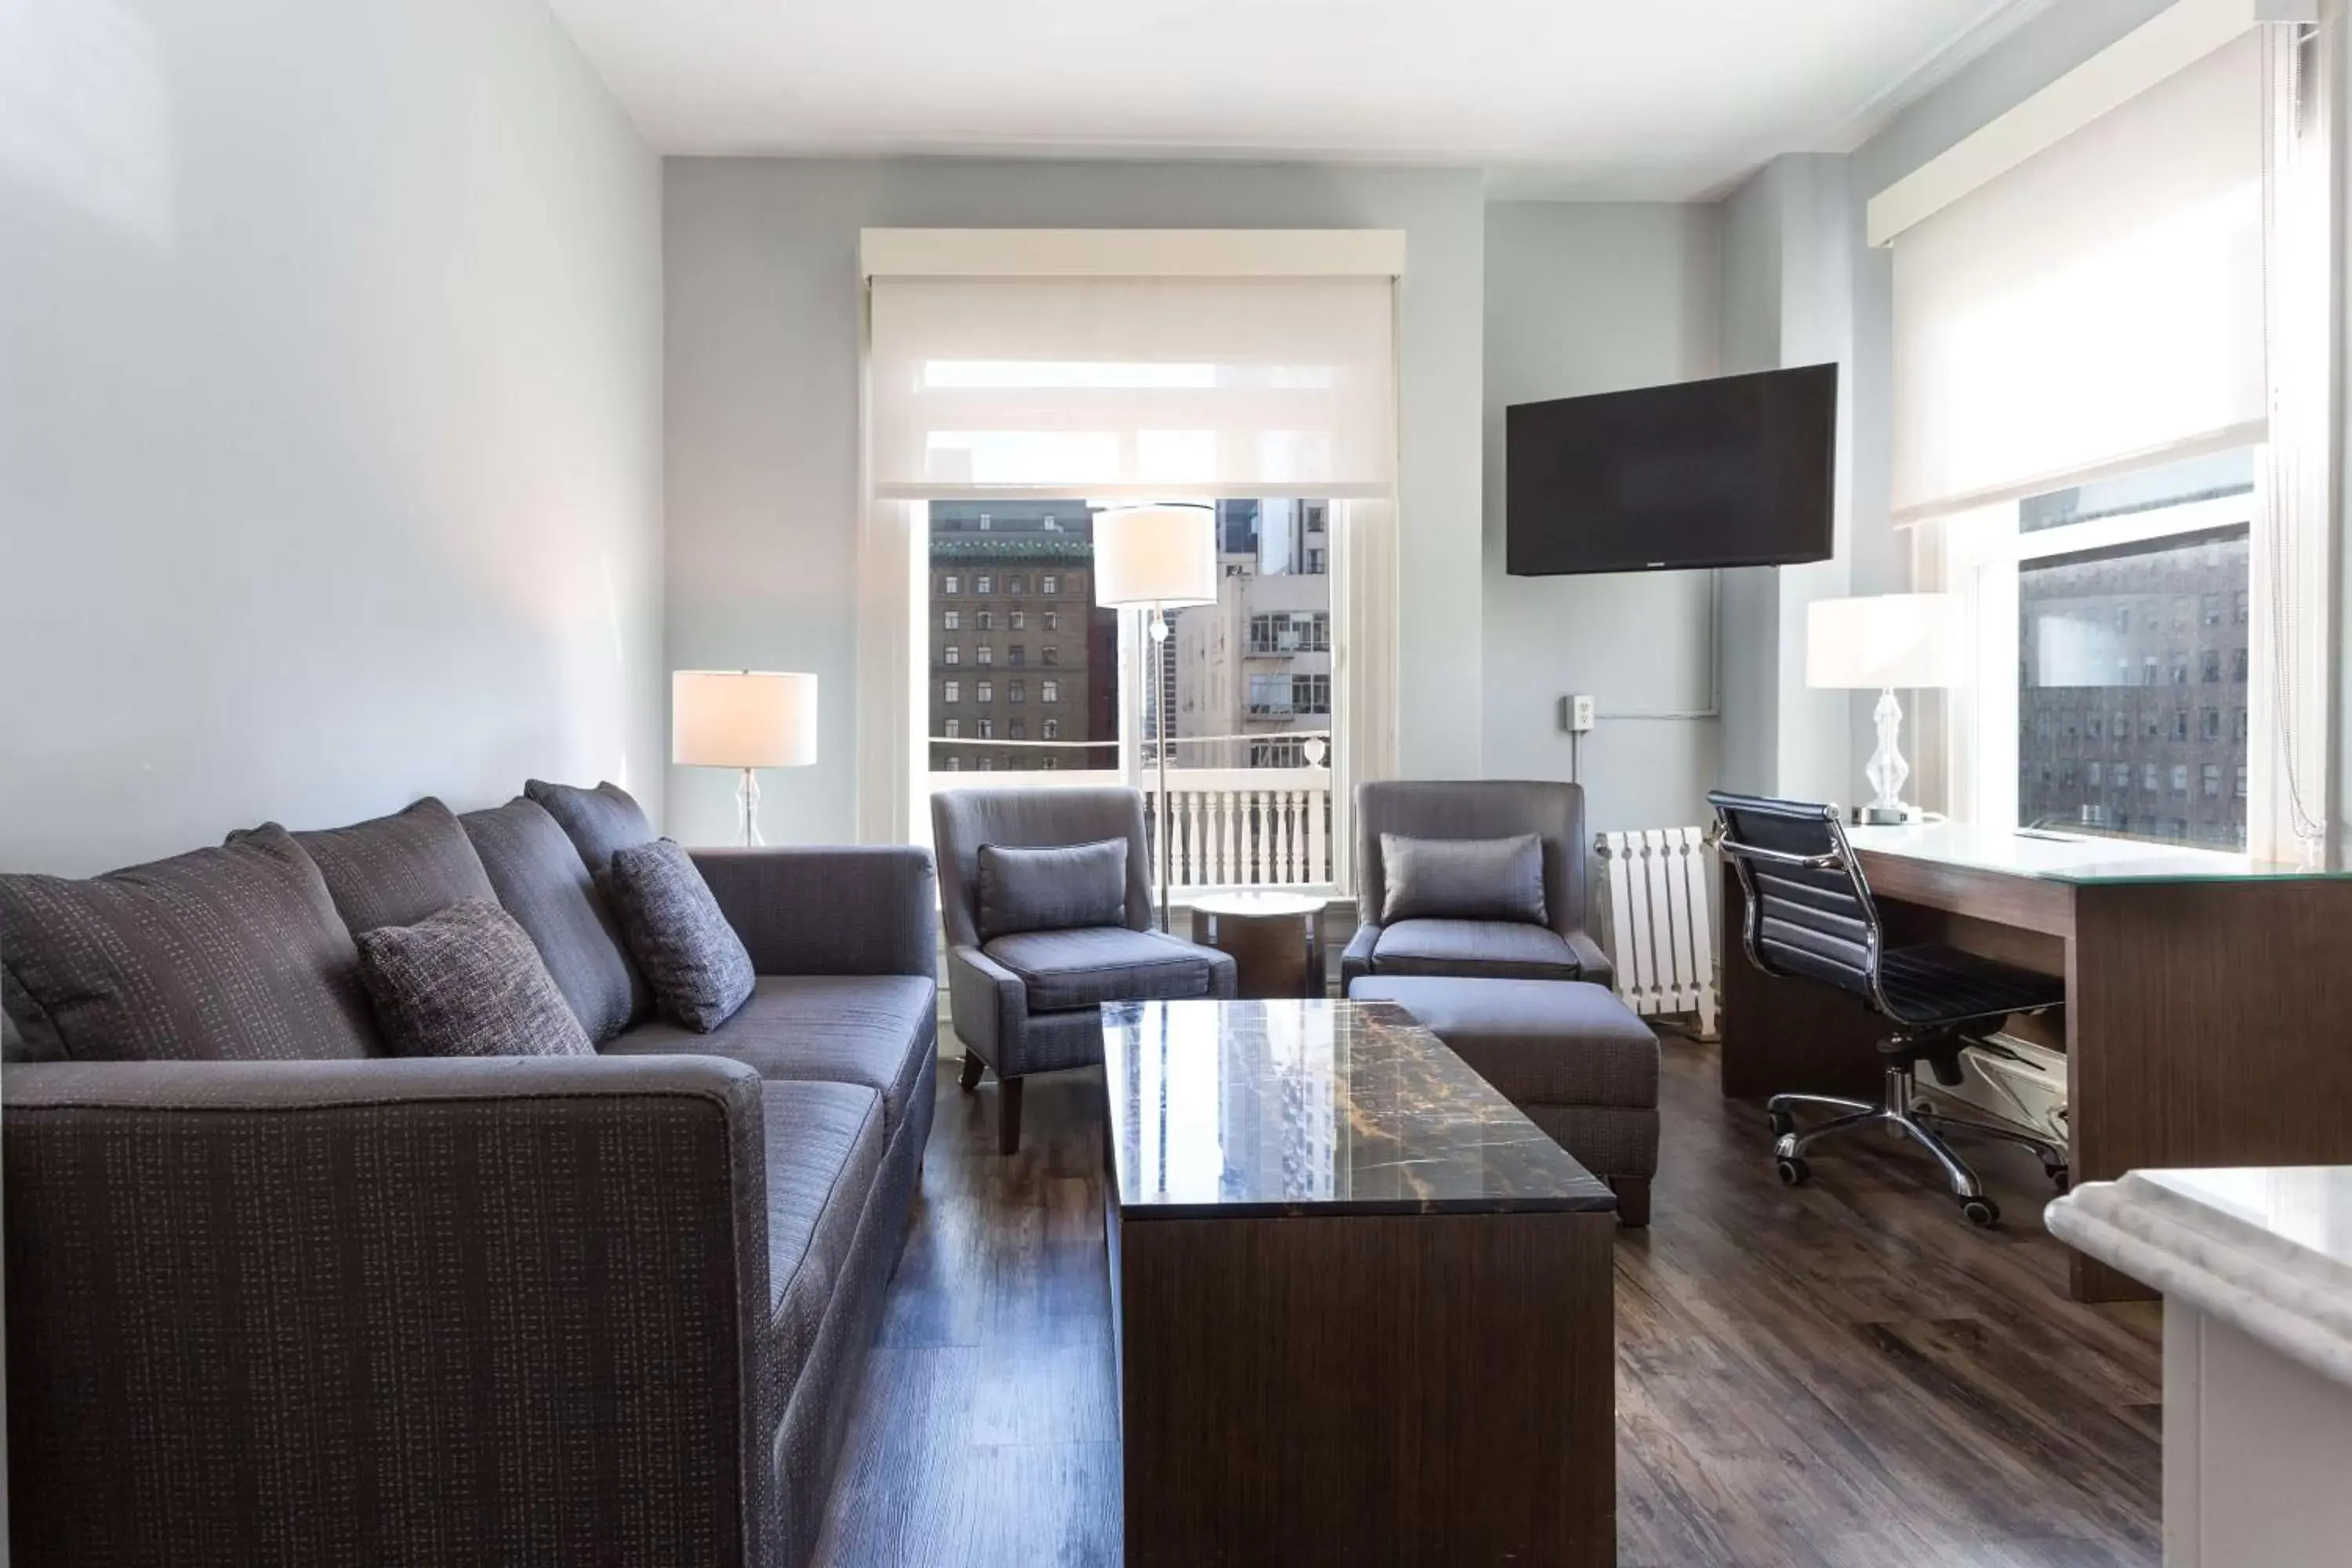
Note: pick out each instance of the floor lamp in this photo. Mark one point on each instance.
(1159, 558)
(744, 720)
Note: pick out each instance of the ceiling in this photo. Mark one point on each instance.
(1558, 97)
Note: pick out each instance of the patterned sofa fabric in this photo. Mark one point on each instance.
(396, 871)
(598, 820)
(234, 955)
(540, 879)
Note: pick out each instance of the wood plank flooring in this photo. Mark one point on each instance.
(1843, 1375)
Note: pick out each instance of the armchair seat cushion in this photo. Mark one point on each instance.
(878, 1030)
(1064, 971)
(1497, 950)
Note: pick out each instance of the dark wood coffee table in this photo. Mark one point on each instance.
(1362, 1304)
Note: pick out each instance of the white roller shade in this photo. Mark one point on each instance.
(2098, 307)
(1132, 387)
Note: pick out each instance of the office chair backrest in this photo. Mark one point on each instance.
(1809, 910)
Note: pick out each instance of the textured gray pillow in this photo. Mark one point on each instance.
(691, 957)
(1462, 879)
(467, 982)
(1059, 888)
(598, 820)
(228, 954)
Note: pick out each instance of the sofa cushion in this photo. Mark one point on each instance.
(396, 870)
(1489, 949)
(1067, 970)
(824, 1146)
(1539, 1042)
(541, 881)
(689, 954)
(1056, 888)
(234, 954)
(879, 1030)
(598, 821)
(467, 982)
(1462, 879)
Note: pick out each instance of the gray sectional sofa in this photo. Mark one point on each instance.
(608, 1308)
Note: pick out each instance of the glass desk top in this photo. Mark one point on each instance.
(2055, 856)
(1236, 1109)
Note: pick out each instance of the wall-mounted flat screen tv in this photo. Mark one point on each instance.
(1736, 471)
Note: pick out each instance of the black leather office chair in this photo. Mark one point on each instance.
(1809, 916)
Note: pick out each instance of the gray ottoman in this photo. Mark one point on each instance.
(1570, 1055)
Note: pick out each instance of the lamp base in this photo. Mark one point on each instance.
(1882, 815)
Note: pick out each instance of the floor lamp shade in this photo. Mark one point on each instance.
(1164, 555)
(742, 718)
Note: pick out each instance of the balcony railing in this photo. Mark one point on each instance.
(1227, 827)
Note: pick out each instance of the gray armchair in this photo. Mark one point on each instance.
(1032, 1002)
(1557, 950)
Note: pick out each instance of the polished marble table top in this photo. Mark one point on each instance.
(1236, 1109)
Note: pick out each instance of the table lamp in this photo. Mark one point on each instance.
(1159, 558)
(1916, 641)
(742, 718)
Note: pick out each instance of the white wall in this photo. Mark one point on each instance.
(330, 418)
(1586, 298)
(762, 415)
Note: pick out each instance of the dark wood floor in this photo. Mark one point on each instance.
(1845, 1374)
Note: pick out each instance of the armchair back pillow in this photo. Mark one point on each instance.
(1057, 887)
(1462, 879)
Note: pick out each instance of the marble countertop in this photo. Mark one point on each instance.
(2268, 1250)
(1230, 1110)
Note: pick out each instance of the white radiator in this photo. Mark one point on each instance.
(1658, 935)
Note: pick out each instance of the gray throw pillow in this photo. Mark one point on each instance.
(228, 954)
(598, 820)
(691, 957)
(541, 881)
(1462, 879)
(467, 982)
(1060, 888)
(396, 870)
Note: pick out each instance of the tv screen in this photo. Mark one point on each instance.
(1736, 471)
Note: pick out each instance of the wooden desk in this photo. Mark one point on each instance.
(2209, 999)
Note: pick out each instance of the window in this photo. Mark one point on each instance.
(1017, 728)
(952, 763)
(985, 653)
(1310, 693)
(1052, 729)
(1050, 654)
(2210, 776)
(1049, 585)
(1016, 654)
(984, 585)
(1049, 692)
(952, 691)
(985, 620)
(951, 620)
(1017, 620)
(1016, 692)
(2208, 664)
(2208, 723)
(951, 654)
(950, 583)
(2094, 770)
(986, 730)
(952, 728)
(2238, 665)
(2180, 778)
(1052, 622)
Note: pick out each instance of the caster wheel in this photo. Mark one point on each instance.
(1794, 1171)
(2059, 1178)
(1782, 1123)
(1980, 1213)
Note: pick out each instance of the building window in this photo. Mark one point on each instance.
(2210, 665)
(2180, 723)
(1053, 729)
(2148, 778)
(2208, 723)
(2093, 780)
(1310, 693)
(1050, 654)
(983, 691)
(951, 620)
(1016, 692)
(951, 654)
(1017, 620)
(1050, 586)
(955, 765)
(1016, 586)
(2180, 778)
(1049, 692)
(985, 653)
(2241, 780)
(952, 691)
(1017, 729)
(2209, 776)
(1017, 653)
(986, 730)
(1049, 764)
(1052, 622)
(983, 583)
(2238, 665)
(950, 583)
(953, 729)
(985, 620)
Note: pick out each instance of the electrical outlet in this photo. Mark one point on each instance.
(1576, 714)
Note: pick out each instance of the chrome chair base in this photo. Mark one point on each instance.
(1901, 1114)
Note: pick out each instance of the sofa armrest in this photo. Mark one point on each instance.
(829, 911)
(1591, 962)
(988, 1004)
(1356, 961)
(406, 1310)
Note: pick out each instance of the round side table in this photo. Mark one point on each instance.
(1276, 939)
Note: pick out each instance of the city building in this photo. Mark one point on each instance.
(1251, 681)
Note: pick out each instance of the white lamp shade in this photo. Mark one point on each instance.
(1907, 641)
(1164, 555)
(742, 718)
